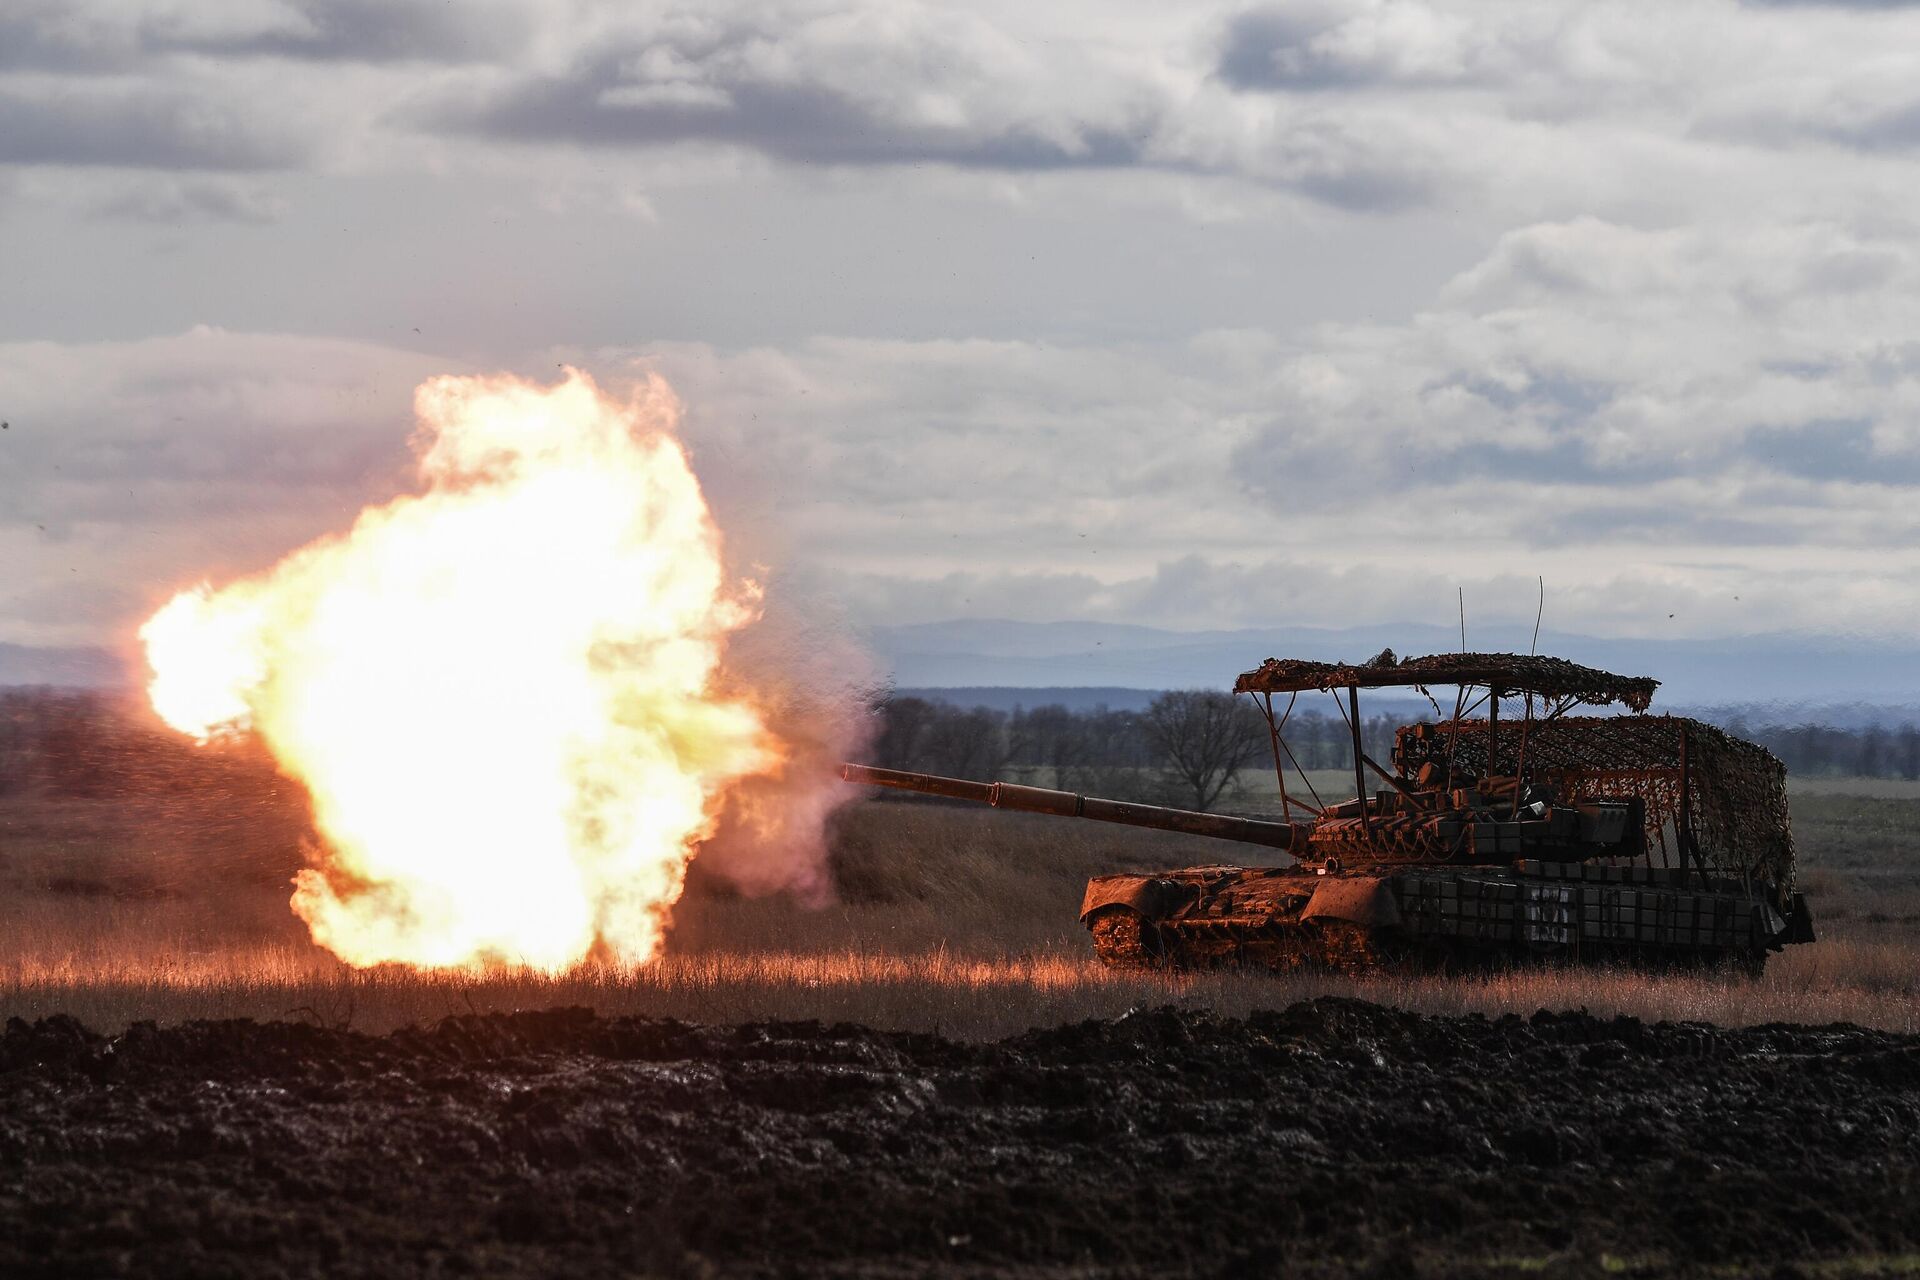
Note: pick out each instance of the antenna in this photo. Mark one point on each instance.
(1463, 618)
(1535, 646)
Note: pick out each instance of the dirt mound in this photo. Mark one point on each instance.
(1336, 1137)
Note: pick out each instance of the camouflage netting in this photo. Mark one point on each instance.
(1511, 673)
(1737, 810)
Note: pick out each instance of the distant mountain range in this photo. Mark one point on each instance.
(1776, 678)
(73, 668)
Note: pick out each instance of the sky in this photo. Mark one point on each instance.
(1198, 316)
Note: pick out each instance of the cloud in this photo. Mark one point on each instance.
(227, 416)
(96, 36)
(1868, 5)
(1265, 590)
(1344, 45)
(1674, 413)
(1554, 413)
(1639, 307)
(1696, 406)
(348, 31)
(895, 86)
(133, 466)
(1518, 112)
(1592, 384)
(862, 85)
(138, 128)
(102, 84)
(1626, 88)
(168, 201)
(62, 36)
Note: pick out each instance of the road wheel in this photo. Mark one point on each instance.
(1123, 940)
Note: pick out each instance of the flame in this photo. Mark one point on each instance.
(501, 691)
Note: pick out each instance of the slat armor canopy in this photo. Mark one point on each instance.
(1510, 673)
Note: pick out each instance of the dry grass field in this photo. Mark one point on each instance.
(950, 919)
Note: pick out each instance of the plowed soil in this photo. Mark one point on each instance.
(1333, 1138)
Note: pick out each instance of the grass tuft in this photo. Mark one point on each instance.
(963, 923)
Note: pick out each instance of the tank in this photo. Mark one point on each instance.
(1508, 830)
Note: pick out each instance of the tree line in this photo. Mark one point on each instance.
(1189, 748)
(1875, 751)
(1128, 754)
(86, 745)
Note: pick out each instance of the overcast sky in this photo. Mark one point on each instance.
(1192, 315)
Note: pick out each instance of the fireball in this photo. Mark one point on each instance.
(501, 691)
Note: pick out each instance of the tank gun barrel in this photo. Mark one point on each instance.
(1067, 804)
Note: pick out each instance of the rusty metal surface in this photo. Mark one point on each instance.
(1152, 897)
(1367, 900)
(1512, 673)
(1067, 804)
(1487, 842)
(1732, 812)
(1430, 918)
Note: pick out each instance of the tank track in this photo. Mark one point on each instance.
(1123, 940)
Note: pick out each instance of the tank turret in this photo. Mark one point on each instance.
(1649, 839)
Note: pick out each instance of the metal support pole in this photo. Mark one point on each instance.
(1359, 761)
(1683, 817)
(1279, 769)
(1520, 767)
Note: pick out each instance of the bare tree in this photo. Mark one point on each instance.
(904, 726)
(1206, 737)
(968, 744)
(1052, 737)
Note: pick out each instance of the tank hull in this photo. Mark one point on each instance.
(1428, 917)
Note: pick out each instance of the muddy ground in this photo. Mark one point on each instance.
(1333, 1138)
